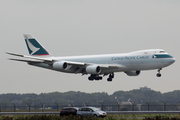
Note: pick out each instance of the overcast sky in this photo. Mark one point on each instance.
(81, 27)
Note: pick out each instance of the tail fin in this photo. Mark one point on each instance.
(34, 47)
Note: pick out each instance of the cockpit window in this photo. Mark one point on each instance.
(162, 51)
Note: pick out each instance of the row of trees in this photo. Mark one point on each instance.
(81, 98)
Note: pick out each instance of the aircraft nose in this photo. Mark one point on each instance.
(173, 60)
(170, 60)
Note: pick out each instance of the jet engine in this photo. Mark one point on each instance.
(133, 73)
(93, 69)
(61, 65)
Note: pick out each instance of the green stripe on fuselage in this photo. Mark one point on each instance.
(163, 56)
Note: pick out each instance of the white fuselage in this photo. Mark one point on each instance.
(139, 60)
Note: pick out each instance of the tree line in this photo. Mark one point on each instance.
(81, 98)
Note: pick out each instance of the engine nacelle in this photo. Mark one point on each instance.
(133, 73)
(93, 69)
(61, 65)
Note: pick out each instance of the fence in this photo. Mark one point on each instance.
(117, 107)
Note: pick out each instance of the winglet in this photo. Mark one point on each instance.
(34, 47)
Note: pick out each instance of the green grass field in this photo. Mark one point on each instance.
(109, 117)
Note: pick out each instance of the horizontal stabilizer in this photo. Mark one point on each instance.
(27, 60)
(15, 54)
(31, 57)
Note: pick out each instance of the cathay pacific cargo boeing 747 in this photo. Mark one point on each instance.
(97, 66)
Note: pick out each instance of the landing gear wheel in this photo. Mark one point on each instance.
(109, 79)
(111, 76)
(100, 78)
(91, 78)
(94, 77)
(158, 74)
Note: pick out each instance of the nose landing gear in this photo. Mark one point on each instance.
(159, 74)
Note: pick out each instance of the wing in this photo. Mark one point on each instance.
(80, 67)
(81, 64)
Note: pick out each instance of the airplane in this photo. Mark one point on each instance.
(97, 66)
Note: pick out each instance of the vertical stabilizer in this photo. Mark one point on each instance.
(34, 47)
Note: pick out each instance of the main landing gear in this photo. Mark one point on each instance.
(111, 76)
(94, 77)
(159, 74)
(97, 77)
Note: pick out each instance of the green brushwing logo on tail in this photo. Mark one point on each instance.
(35, 48)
